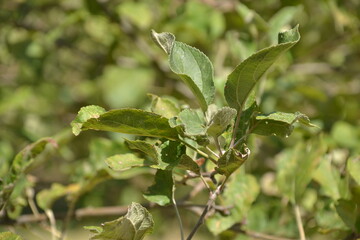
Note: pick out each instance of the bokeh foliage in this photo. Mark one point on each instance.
(58, 56)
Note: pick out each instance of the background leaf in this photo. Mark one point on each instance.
(9, 236)
(240, 193)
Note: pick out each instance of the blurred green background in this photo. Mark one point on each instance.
(57, 56)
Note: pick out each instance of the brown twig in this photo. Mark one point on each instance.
(208, 206)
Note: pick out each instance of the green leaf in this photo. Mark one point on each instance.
(193, 67)
(240, 193)
(164, 107)
(9, 236)
(282, 18)
(171, 153)
(246, 75)
(231, 160)
(46, 198)
(133, 226)
(161, 191)
(22, 163)
(164, 40)
(127, 120)
(146, 148)
(329, 179)
(187, 163)
(220, 120)
(296, 168)
(349, 211)
(121, 162)
(85, 114)
(353, 168)
(193, 122)
(278, 123)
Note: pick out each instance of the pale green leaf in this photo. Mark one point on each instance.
(133, 226)
(193, 122)
(22, 163)
(127, 120)
(278, 123)
(296, 168)
(231, 160)
(193, 67)
(220, 120)
(349, 211)
(353, 168)
(161, 191)
(9, 236)
(45, 198)
(241, 192)
(121, 162)
(247, 74)
(329, 179)
(163, 106)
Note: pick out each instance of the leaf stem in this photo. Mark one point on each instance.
(178, 214)
(236, 126)
(299, 222)
(217, 144)
(208, 206)
(199, 151)
(50, 214)
(212, 152)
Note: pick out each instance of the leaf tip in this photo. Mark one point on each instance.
(164, 40)
(291, 35)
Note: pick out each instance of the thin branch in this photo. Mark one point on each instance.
(50, 214)
(256, 235)
(299, 222)
(178, 214)
(209, 205)
(101, 211)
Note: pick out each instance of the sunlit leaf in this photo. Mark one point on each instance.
(163, 106)
(133, 226)
(121, 162)
(127, 120)
(278, 123)
(246, 75)
(193, 66)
